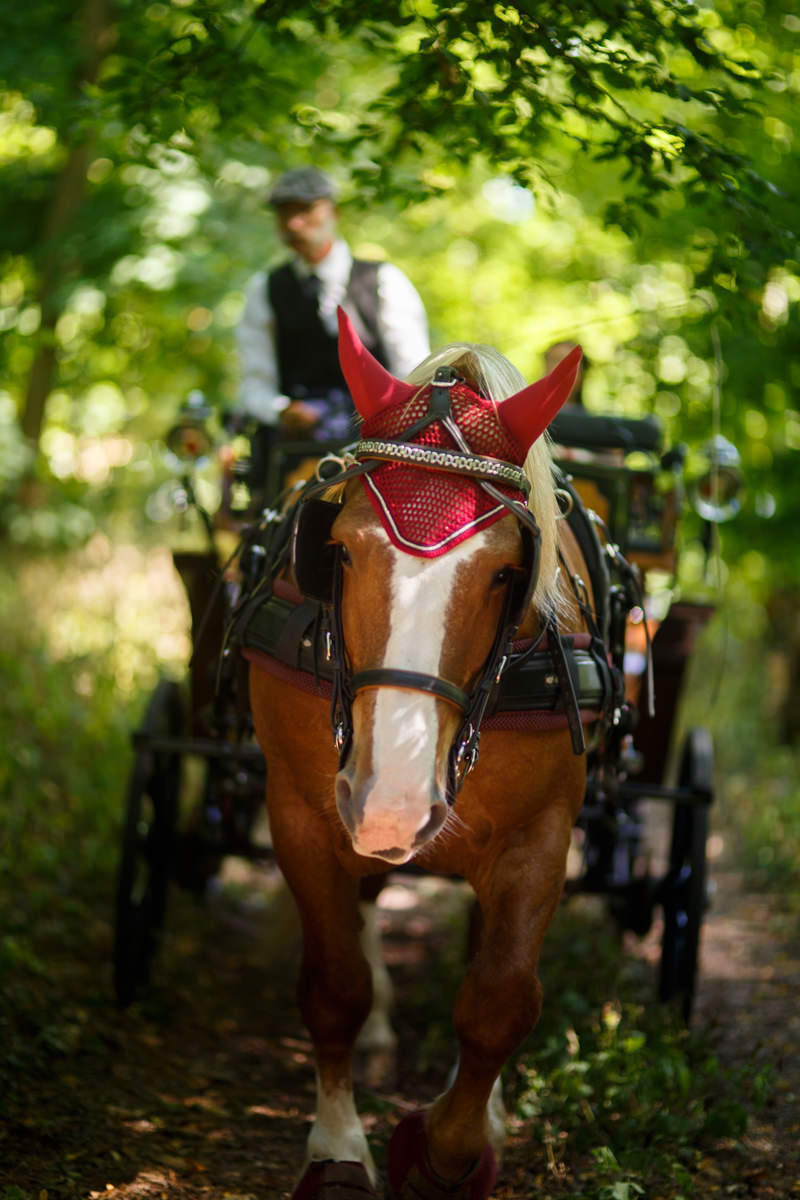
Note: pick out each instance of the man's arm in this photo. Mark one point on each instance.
(402, 321)
(260, 393)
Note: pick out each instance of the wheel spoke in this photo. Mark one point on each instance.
(147, 848)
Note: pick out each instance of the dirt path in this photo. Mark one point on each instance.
(749, 1003)
(204, 1091)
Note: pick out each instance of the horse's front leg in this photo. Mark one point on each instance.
(497, 1006)
(377, 1042)
(335, 994)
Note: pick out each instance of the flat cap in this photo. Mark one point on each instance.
(303, 185)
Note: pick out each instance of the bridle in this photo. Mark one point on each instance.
(318, 571)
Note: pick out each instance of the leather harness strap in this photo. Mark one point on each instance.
(414, 680)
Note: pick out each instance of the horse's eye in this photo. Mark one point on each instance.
(344, 556)
(502, 576)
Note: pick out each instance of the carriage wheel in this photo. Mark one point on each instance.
(148, 845)
(684, 897)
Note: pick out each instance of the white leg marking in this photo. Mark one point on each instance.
(337, 1132)
(497, 1120)
(376, 1032)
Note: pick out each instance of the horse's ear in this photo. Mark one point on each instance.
(370, 384)
(527, 413)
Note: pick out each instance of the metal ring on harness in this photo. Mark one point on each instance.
(340, 461)
(570, 503)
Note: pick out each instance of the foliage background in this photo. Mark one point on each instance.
(627, 178)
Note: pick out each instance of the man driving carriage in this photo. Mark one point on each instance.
(292, 384)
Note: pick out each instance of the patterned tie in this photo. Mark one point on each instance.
(312, 287)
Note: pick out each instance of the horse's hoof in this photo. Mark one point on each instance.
(411, 1176)
(334, 1181)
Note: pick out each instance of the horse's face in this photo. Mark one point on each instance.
(437, 616)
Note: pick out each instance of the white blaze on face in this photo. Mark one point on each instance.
(406, 723)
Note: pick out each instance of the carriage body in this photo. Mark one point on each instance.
(634, 489)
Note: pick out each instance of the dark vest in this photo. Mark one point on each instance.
(308, 359)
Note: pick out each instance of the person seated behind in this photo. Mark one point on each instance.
(553, 355)
(291, 381)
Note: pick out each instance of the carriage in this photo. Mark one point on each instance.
(620, 496)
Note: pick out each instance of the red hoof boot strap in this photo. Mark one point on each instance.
(334, 1181)
(412, 1178)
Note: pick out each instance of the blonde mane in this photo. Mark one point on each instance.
(497, 379)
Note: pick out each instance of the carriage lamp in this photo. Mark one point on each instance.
(189, 439)
(716, 492)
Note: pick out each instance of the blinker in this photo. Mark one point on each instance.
(313, 554)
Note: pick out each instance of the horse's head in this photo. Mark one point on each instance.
(436, 568)
(436, 618)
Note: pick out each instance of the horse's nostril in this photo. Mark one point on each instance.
(437, 818)
(343, 789)
(344, 802)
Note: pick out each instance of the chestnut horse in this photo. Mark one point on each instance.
(438, 565)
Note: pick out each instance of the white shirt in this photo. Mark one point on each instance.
(401, 320)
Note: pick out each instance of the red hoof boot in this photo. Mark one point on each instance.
(411, 1176)
(334, 1181)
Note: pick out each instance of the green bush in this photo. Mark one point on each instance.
(612, 1084)
(65, 738)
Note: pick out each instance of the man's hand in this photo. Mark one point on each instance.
(299, 417)
(236, 421)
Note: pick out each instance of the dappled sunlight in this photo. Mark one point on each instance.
(89, 459)
(150, 1182)
(120, 603)
(602, 176)
(397, 898)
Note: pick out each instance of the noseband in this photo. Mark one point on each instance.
(318, 570)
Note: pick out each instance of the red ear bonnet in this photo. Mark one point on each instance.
(528, 413)
(370, 384)
(427, 512)
(524, 415)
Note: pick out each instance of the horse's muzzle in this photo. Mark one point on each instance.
(393, 825)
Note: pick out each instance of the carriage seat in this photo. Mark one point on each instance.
(579, 429)
(637, 499)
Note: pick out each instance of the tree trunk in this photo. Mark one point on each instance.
(784, 662)
(95, 41)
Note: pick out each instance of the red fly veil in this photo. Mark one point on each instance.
(427, 512)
